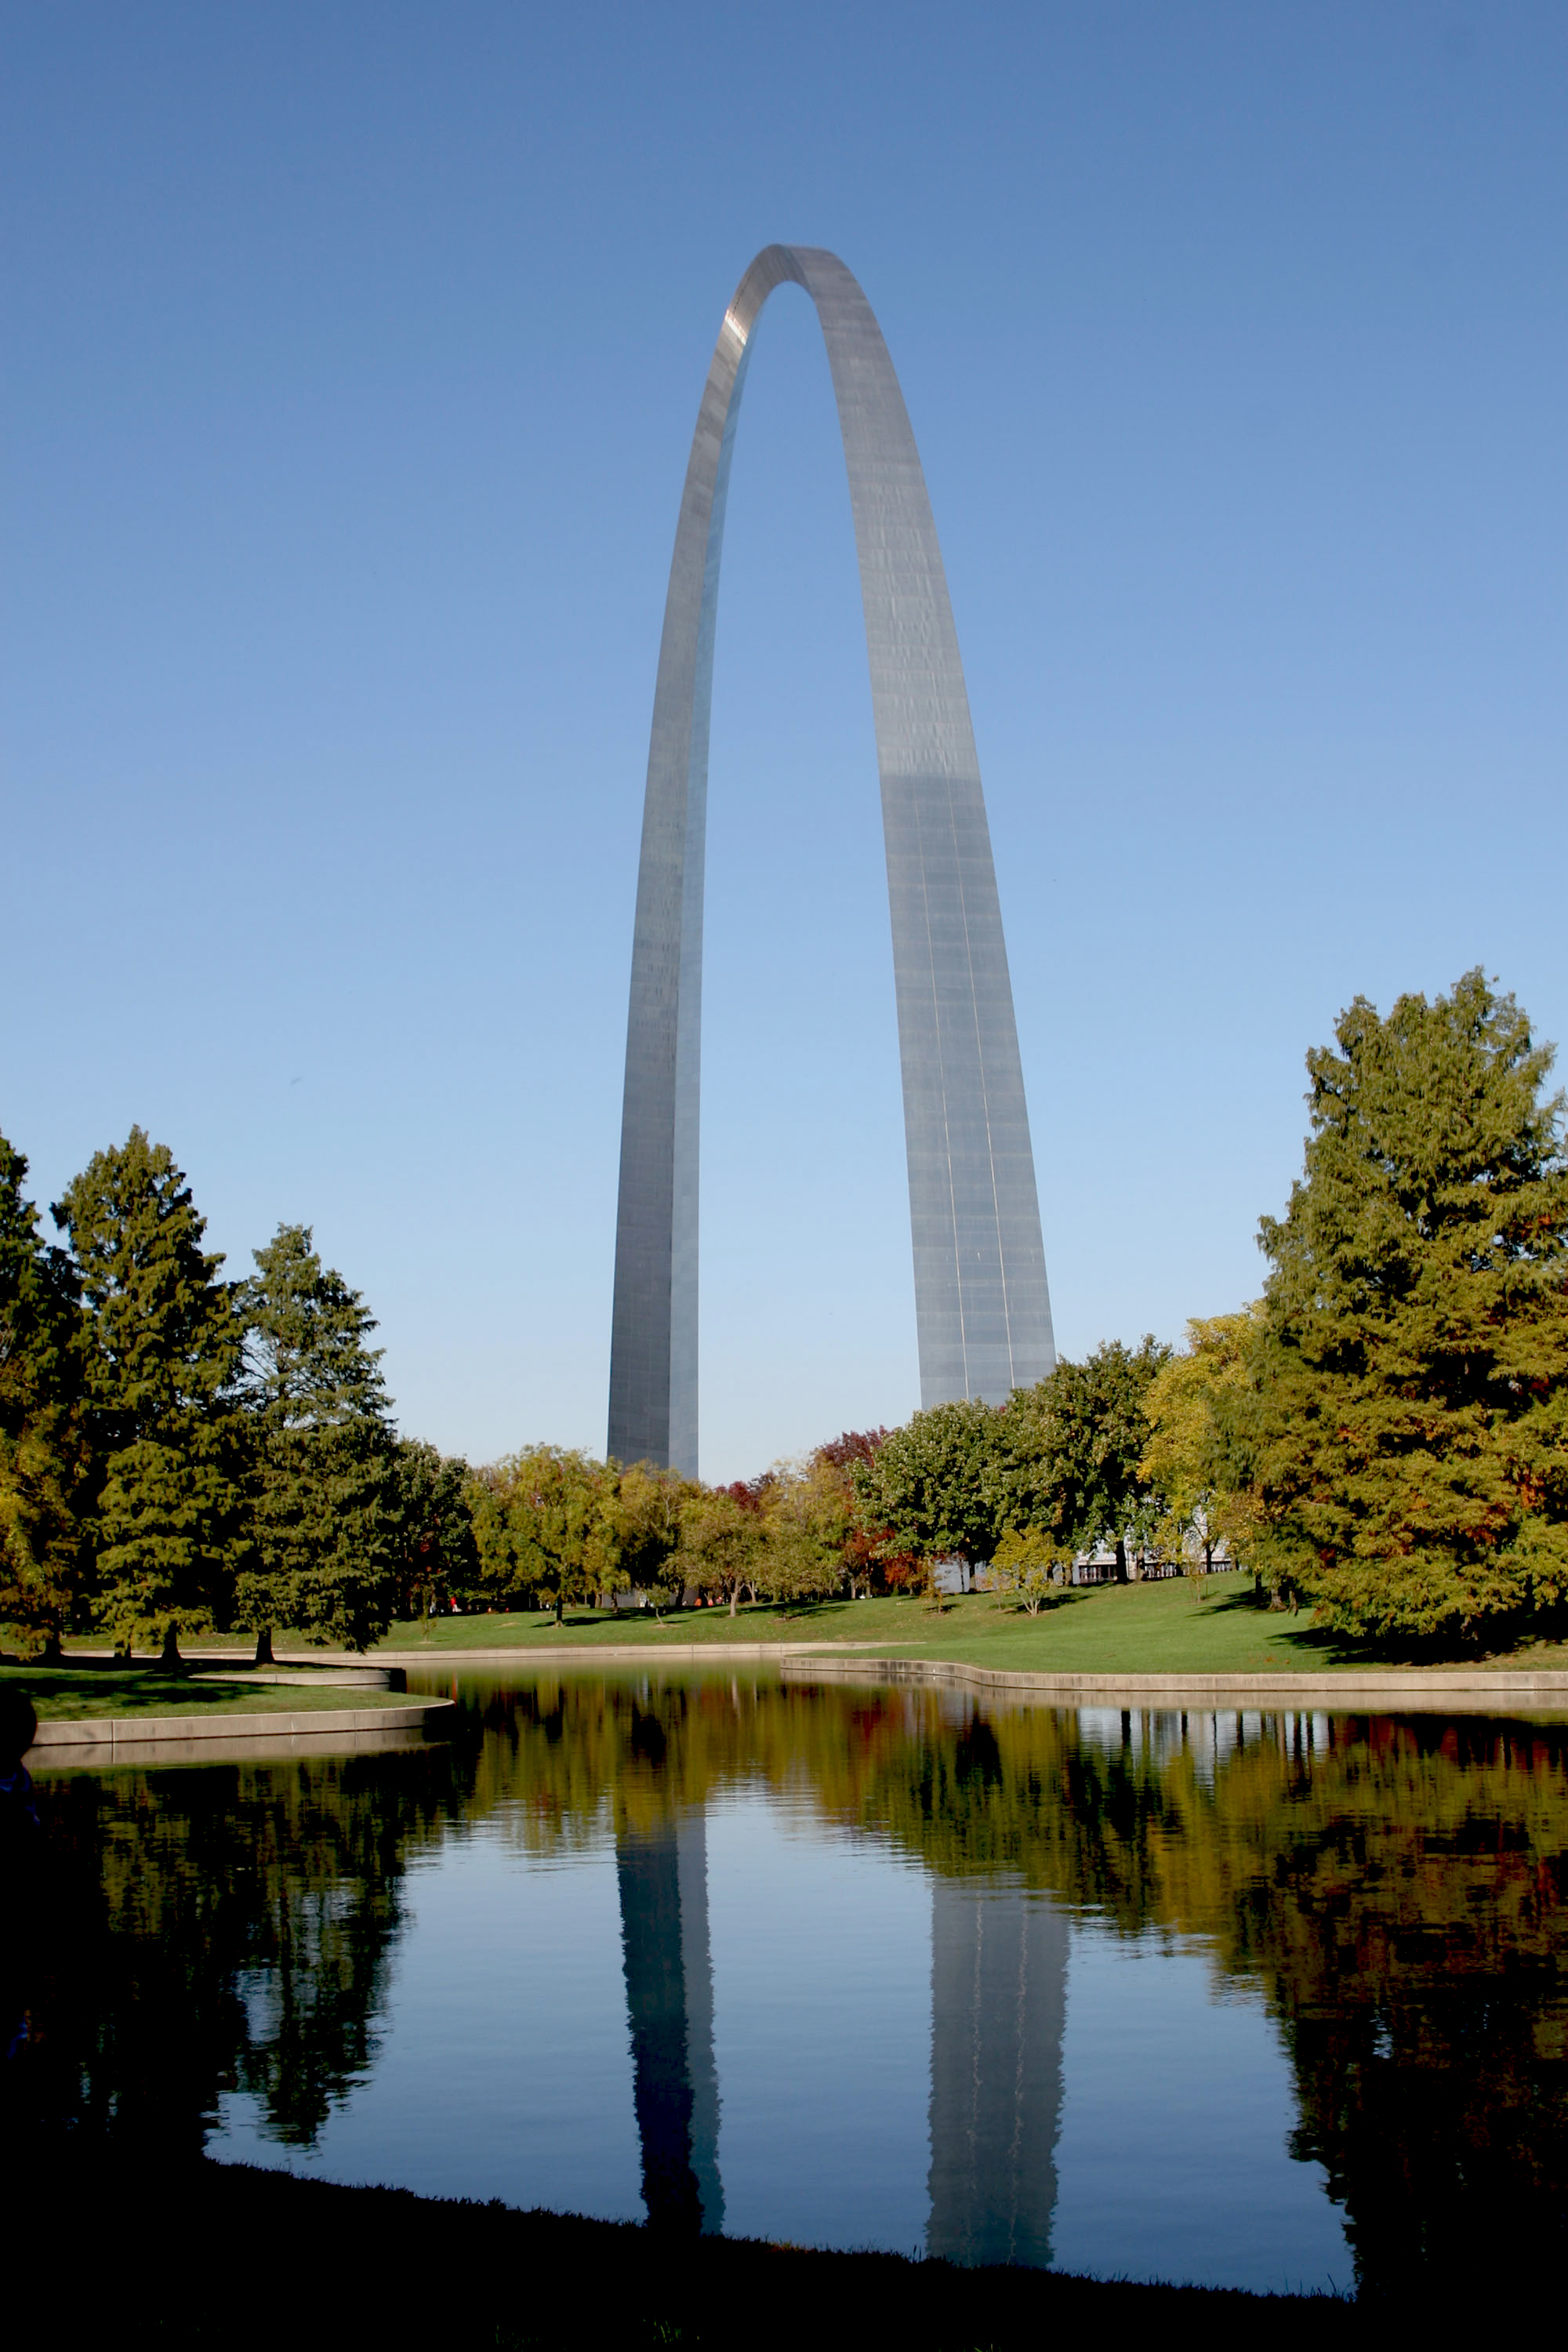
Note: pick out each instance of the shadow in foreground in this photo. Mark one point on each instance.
(226, 2254)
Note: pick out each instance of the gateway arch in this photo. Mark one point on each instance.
(982, 1306)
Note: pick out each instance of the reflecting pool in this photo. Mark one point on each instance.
(1257, 2000)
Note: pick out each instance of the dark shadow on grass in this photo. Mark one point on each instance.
(87, 1683)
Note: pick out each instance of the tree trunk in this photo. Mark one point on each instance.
(171, 1653)
(1120, 1560)
(734, 1596)
(264, 1648)
(50, 1656)
(561, 1608)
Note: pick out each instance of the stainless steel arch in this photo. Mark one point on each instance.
(981, 1306)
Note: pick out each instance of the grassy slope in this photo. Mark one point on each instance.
(1097, 1629)
(74, 1693)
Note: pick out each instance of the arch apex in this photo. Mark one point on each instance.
(982, 1302)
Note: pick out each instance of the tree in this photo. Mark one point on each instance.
(328, 1490)
(643, 1511)
(543, 1525)
(1074, 1443)
(1194, 1457)
(871, 1551)
(933, 1484)
(808, 1515)
(436, 1556)
(170, 1519)
(1410, 1379)
(46, 1457)
(1024, 1566)
(721, 1538)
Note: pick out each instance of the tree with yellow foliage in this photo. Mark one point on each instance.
(1195, 1457)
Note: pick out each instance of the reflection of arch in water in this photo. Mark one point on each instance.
(998, 2007)
(663, 1879)
(982, 1310)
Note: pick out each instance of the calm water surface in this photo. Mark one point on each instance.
(1265, 2000)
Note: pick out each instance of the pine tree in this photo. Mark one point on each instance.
(327, 1489)
(1409, 1421)
(163, 1355)
(46, 1459)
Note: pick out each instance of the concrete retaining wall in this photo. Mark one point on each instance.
(1442, 1690)
(105, 1736)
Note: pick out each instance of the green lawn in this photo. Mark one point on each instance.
(1095, 1629)
(72, 1693)
(1159, 1627)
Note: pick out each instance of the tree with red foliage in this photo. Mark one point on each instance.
(871, 1551)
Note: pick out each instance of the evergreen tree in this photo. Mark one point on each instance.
(46, 1461)
(326, 1466)
(164, 1353)
(1409, 1417)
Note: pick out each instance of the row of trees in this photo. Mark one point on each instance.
(178, 1451)
(1383, 1434)
(1017, 1488)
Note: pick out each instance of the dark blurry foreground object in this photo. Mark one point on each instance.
(18, 1813)
(21, 1842)
(360, 2264)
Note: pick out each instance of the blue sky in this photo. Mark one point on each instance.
(355, 355)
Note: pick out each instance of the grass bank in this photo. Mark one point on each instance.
(263, 2254)
(1148, 1629)
(77, 1692)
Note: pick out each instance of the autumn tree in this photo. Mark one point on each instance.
(808, 1515)
(722, 1535)
(46, 1454)
(543, 1526)
(1196, 1458)
(871, 1551)
(1410, 1390)
(1025, 1566)
(644, 1528)
(328, 1498)
(169, 1526)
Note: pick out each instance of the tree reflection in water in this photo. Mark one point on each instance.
(1396, 1891)
(219, 1929)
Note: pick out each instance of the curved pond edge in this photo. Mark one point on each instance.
(1438, 1688)
(109, 1739)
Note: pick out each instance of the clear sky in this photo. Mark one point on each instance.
(352, 361)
